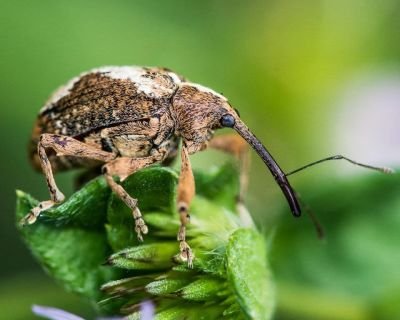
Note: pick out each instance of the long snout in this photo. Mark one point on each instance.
(276, 171)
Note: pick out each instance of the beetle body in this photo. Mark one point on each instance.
(126, 110)
(108, 109)
(127, 118)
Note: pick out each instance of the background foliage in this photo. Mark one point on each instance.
(311, 78)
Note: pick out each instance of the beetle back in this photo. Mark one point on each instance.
(105, 98)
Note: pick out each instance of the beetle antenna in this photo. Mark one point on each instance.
(340, 157)
(319, 229)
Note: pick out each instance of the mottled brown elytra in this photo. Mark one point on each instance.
(126, 118)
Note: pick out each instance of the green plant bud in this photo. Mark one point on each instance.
(163, 221)
(232, 310)
(203, 289)
(149, 256)
(165, 286)
(229, 279)
(123, 286)
(189, 312)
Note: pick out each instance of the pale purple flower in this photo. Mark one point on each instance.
(54, 313)
(58, 314)
(146, 312)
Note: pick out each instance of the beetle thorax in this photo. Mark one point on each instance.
(197, 111)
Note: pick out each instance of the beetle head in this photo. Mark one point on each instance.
(199, 110)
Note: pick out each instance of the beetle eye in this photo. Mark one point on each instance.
(227, 121)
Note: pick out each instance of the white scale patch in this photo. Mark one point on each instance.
(174, 77)
(135, 74)
(59, 124)
(143, 84)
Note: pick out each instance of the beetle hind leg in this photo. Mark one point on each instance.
(32, 216)
(55, 194)
(63, 146)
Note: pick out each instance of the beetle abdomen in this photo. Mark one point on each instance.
(103, 98)
(108, 96)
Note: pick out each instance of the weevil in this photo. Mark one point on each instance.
(124, 119)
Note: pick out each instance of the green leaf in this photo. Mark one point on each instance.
(154, 187)
(221, 185)
(71, 255)
(85, 208)
(249, 274)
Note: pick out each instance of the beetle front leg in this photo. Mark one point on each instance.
(123, 167)
(186, 190)
(238, 147)
(63, 146)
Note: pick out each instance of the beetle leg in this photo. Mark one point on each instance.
(63, 146)
(237, 146)
(186, 190)
(123, 167)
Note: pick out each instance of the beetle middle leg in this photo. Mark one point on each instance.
(123, 167)
(186, 190)
(63, 146)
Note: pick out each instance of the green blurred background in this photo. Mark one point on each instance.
(311, 78)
